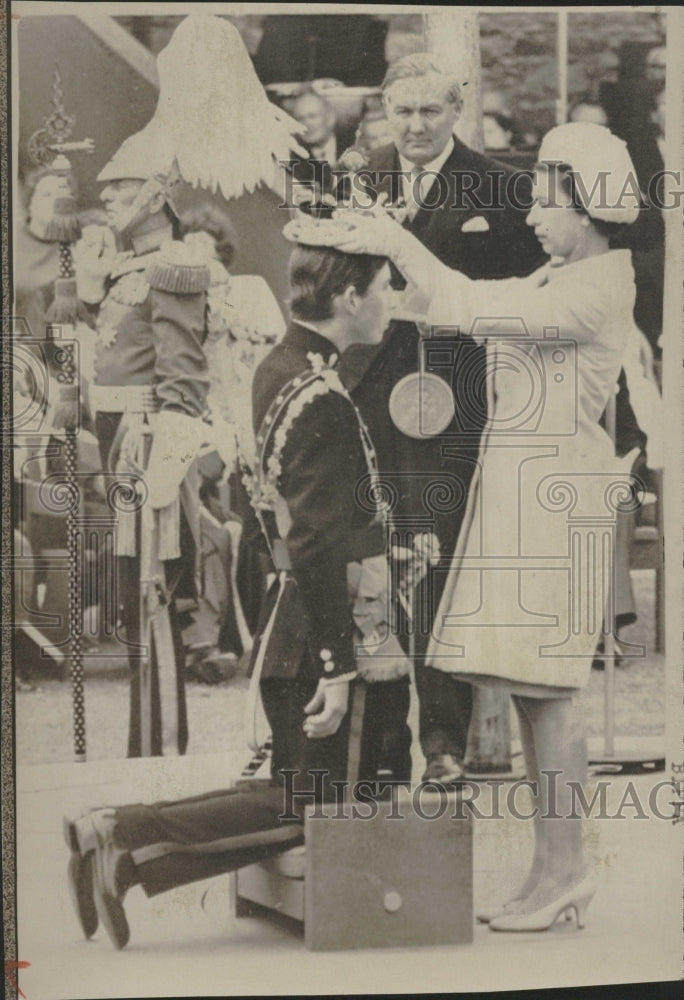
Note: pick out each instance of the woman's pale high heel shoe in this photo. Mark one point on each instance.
(507, 909)
(574, 901)
(512, 906)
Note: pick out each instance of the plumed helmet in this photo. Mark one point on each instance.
(214, 125)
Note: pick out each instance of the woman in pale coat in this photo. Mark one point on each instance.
(526, 590)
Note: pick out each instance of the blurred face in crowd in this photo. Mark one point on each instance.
(117, 197)
(658, 113)
(375, 132)
(370, 313)
(421, 116)
(42, 205)
(495, 135)
(560, 229)
(608, 66)
(316, 116)
(95, 250)
(656, 66)
(587, 112)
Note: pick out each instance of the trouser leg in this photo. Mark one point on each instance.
(179, 672)
(445, 703)
(625, 608)
(284, 703)
(172, 843)
(129, 582)
(445, 707)
(386, 740)
(128, 572)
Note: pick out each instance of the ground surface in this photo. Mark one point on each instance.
(188, 942)
(217, 720)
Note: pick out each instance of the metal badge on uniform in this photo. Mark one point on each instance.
(421, 405)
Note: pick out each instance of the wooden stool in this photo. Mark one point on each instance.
(372, 874)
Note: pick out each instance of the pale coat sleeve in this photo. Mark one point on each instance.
(488, 309)
(495, 309)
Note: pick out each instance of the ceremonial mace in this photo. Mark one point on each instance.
(47, 148)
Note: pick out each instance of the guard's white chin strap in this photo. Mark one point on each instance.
(157, 184)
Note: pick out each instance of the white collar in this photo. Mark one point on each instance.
(434, 165)
(151, 240)
(309, 326)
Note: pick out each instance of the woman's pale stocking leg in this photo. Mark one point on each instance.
(560, 751)
(533, 775)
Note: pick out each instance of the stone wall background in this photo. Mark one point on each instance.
(518, 50)
(518, 53)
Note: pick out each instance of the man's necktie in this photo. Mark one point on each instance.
(418, 186)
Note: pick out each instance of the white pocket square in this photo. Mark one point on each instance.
(478, 224)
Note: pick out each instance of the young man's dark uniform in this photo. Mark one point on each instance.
(327, 456)
(313, 453)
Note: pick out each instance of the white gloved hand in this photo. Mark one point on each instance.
(372, 231)
(176, 440)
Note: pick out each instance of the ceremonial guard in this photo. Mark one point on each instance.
(151, 381)
(149, 396)
(312, 480)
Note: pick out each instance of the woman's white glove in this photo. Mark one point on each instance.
(377, 232)
(372, 231)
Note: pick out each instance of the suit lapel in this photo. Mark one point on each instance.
(427, 218)
(388, 164)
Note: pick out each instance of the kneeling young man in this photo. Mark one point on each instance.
(311, 458)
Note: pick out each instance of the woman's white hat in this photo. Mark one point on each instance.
(605, 177)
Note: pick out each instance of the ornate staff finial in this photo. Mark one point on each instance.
(47, 146)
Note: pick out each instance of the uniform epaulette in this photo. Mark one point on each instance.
(174, 269)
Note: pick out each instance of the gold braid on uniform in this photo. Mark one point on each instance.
(267, 487)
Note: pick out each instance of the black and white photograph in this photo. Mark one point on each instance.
(342, 562)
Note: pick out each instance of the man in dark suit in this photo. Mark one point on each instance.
(317, 118)
(314, 177)
(312, 453)
(469, 210)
